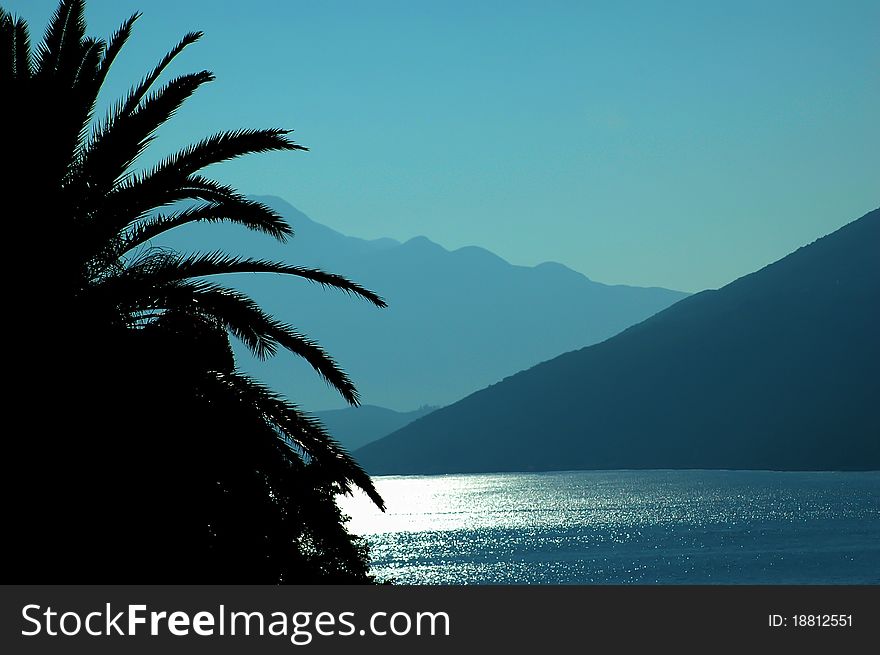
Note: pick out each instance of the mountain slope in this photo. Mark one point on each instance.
(456, 321)
(777, 370)
(354, 427)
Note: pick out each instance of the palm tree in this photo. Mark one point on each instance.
(141, 425)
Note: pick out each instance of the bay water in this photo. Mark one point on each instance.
(624, 527)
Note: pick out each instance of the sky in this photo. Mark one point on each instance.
(679, 144)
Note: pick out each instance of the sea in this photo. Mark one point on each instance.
(623, 527)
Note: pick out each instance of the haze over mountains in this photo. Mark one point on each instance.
(456, 322)
(354, 427)
(778, 370)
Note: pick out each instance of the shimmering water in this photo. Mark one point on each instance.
(646, 527)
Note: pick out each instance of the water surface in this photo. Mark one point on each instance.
(618, 527)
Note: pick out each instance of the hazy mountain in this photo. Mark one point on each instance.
(457, 321)
(777, 370)
(354, 427)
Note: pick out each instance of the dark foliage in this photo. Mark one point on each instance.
(142, 454)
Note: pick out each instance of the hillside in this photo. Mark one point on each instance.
(777, 370)
(354, 427)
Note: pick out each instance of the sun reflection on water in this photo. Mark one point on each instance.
(624, 526)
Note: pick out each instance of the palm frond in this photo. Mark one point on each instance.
(72, 44)
(47, 51)
(243, 317)
(180, 267)
(137, 197)
(317, 357)
(262, 334)
(137, 94)
(22, 60)
(223, 147)
(253, 215)
(202, 188)
(303, 432)
(60, 48)
(15, 48)
(116, 146)
(7, 46)
(114, 45)
(84, 94)
(92, 53)
(174, 179)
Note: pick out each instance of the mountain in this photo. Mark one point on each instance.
(457, 320)
(354, 427)
(778, 370)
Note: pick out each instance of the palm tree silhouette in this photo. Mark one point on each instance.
(166, 459)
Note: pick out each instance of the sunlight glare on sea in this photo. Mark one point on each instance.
(619, 527)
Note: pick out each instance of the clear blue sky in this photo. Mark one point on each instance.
(679, 144)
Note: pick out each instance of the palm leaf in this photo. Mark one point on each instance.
(114, 45)
(22, 50)
(122, 139)
(7, 47)
(173, 180)
(137, 197)
(60, 48)
(86, 89)
(163, 269)
(245, 319)
(137, 94)
(72, 44)
(84, 77)
(301, 432)
(15, 49)
(223, 147)
(253, 215)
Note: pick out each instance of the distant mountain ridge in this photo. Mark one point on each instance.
(778, 370)
(354, 427)
(456, 322)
